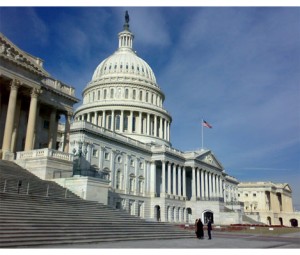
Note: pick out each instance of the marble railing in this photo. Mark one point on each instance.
(59, 86)
(163, 148)
(104, 131)
(44, 153)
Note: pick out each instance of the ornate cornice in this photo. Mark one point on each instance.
(12, 53)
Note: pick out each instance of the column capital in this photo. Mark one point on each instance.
(35, 92)
(15, 84)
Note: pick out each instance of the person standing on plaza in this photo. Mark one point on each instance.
(209, 229)
(196, 228)
(200, 229)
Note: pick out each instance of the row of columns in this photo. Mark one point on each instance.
(143, 123)
(7, 145)
(205, 184)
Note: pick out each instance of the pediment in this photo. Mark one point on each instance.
(287, 187)
(11, 52)
(209, 158)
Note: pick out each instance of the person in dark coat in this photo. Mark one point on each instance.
(200, 229)
(209, 229)
(196, 228)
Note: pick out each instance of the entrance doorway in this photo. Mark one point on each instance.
(208, 215)
(294, 222)
(157, 213)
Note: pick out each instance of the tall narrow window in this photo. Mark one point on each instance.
(111, 93)
(141, 95)
(118, 181)
(104, 94)
(133, 123)
(126, 93)
(125, 123)
(118, 117)
(109, 122)
(133, 94)
(147, 96)
(98, 94)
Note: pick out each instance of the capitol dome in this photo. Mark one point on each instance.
(123, 96)
(124, 62)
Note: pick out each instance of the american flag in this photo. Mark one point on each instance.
(206, 124)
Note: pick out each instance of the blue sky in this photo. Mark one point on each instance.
(236, 67)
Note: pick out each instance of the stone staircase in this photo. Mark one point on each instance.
(15, 179)
(34, 220)
(248, 220)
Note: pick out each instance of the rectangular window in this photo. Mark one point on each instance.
(106, 155)
(132, 162)
(125, 123)
(95, 153)
(133, 124)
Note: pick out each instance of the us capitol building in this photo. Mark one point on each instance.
(115, 148)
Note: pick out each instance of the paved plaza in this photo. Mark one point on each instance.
(219, 240)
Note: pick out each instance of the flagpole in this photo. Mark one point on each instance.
(202, 132)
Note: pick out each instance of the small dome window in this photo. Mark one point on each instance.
(133, 94)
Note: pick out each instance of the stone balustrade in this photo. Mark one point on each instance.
(101, 130)
(57, 85)
(44, 153)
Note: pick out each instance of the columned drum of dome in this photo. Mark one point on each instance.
(123, 96)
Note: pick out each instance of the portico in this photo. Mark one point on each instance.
(31, 103)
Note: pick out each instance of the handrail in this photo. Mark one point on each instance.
(15, 186)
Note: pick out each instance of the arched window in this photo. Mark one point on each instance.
(111, 93)
(104, 94)
(118, 180)
(131, 183)
(126, 93)
(133, 94)
(141, 95)
(147, 96)
(99, 94)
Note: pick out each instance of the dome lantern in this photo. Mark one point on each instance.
(126, 37)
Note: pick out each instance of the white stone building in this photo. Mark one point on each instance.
(268, 202)
(119, 137)
(123, 132)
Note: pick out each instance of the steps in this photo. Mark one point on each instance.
(35, 220)
(15, 179)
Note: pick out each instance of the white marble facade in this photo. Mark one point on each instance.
(124, 132)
